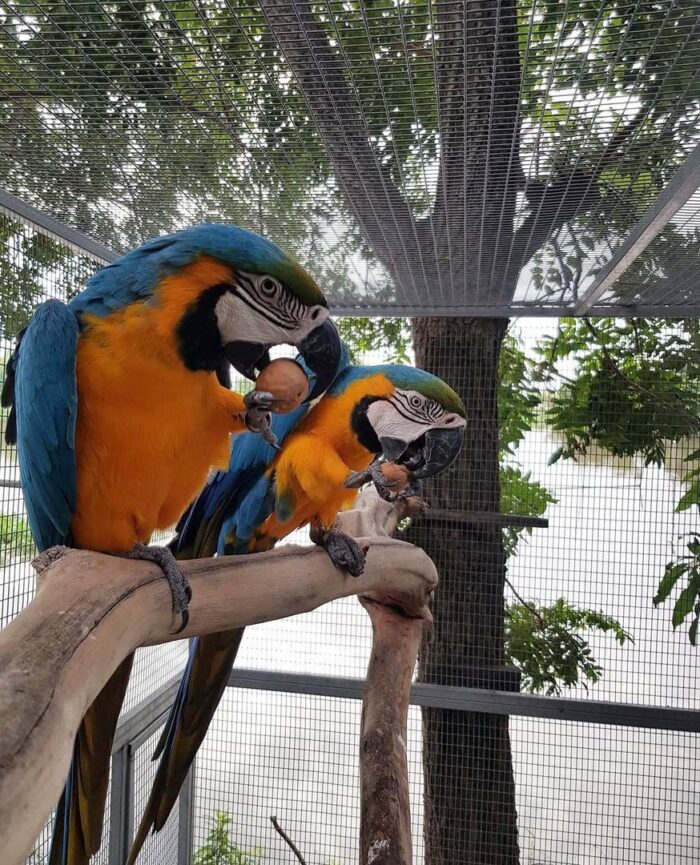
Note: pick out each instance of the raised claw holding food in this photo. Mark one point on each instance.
(258, 404)
(385, 486)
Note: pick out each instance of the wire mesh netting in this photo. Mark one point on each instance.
(582, 571)
(421, 156)
(585, 793)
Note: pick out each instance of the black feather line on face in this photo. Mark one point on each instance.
(361, 426)
(198, 337)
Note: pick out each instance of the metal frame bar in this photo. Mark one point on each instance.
(613, 310)
(477, 700)
(185, 829)
(78, 241)
(121, 805)
(678, 186)
(669, 201)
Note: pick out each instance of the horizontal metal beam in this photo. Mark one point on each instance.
(669, 201)
(476, 700)
(472, 518)
(602, 310)
(82, 243)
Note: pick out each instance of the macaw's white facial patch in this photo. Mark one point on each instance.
(260, 309)
(406, 415)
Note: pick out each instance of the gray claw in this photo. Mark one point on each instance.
(261, 400)
(257, 417)
(345, 552)
(380, 484)
(179, 587)
(372, 473)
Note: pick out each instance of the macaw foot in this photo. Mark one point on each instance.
(343, 551)
(259, 404)
(373, 473)
(179, 587)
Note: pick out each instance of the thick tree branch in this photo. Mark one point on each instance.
(381, 211)
(91, 611)
(558, 202)
(385, 818)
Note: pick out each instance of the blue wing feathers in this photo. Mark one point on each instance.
(240, 496)
(46, 405)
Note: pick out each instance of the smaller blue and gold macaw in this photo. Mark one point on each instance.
(327, 451)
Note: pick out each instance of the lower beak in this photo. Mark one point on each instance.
(321, 352)
(440, 449)
(248, 358)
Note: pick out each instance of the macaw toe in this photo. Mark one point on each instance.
(179, 587)
(345, 552)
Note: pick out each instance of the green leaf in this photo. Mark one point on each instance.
(692, 497)
(685, 602)
(668, 581)
(557, 455)
(693, 632)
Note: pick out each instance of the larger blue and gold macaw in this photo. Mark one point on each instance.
(328, 450)
(121, 405)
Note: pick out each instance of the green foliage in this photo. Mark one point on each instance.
(364, 335)
(521, 496)
(634, 386)
(686, 572)
(518, 396)
(632, 389)
(16, 542)
(219, 849)
(518, 404)
(544, 643)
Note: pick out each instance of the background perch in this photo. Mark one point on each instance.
(397, 626)
(58, 653)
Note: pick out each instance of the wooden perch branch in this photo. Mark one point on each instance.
(91, 611)
(397, 626)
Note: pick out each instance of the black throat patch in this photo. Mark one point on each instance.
(361, 426)
(198, 338)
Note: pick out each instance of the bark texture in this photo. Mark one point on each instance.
(470, 816)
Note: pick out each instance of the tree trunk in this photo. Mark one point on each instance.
(470, 814)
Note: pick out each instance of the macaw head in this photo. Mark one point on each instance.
(270, 300)
(232, 294)
(416, 419)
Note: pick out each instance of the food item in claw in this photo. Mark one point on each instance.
(397, 476)
(286, 381)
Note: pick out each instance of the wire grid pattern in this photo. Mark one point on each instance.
(161, 847)
(419, 156)
(610, 533)
(585, 793)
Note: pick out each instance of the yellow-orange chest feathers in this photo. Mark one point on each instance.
(319, 455)
(148, 429)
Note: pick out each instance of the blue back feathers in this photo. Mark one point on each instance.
(135, 276)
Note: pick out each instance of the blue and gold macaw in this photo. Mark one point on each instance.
(403, 414)
(121, 405)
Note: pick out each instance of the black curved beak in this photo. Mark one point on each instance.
(321, 352)
(248, 358)
(438, 449)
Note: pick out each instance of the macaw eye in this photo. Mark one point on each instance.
(415, 402)
(268, 287)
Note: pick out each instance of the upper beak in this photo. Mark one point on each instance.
(321, 352)
(440, 449)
